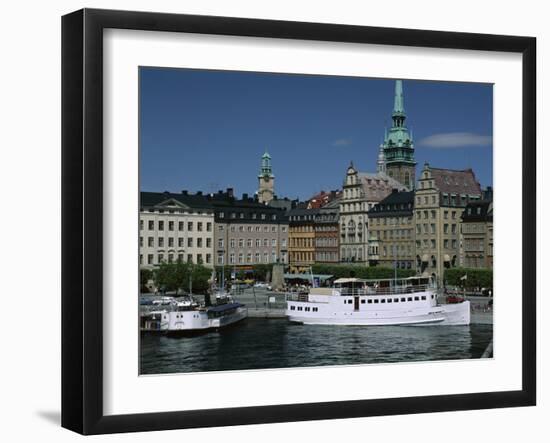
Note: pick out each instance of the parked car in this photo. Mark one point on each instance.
(454, 299)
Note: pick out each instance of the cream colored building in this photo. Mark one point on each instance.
(361, 191)
(175, 227)
(391, 233)
(440, 199)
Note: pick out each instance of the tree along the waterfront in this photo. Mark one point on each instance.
(469, 278)
(182, 277)
(358, 271)
(258, 272)
(144, 276)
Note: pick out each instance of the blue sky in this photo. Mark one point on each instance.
(206, 130)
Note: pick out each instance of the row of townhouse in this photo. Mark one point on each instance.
(210, 229)
(445, 222)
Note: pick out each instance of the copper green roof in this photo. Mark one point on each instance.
(398, 142)
(265, 169)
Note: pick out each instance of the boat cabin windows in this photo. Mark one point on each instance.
(356, 286)
(375, 300)
(389, 300)
(383, 300)
(315, 309)
(409, 299)
(423, 297)
(369, 301)
(416, 298)
(299, 308)
(363, 301)
(403, 299)
(396, 300)
(292, 308)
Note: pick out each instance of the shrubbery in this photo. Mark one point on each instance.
(177, 276)
(476, 278)
(259, 272)
(144, 276)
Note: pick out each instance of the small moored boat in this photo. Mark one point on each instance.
(188, 317)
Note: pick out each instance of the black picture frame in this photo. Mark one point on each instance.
(82, 260)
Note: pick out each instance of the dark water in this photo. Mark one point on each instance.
(276, 343)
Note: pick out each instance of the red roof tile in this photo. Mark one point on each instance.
(451, 181)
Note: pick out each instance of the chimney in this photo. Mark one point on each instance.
(184, 192)
(230, 192)
(245, 197)
(199, 192)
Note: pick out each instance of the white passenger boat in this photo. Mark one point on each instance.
(353, 301)
(188, 317)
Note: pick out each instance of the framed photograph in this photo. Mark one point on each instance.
(268, 221)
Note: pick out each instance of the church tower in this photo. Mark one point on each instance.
(266, 180)
(398, 146)
(381, 163)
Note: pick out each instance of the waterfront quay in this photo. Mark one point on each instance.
(262, 303)
(268, 340)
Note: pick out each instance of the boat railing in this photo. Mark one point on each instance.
(297, 296)
(387, 290)
(368, 291)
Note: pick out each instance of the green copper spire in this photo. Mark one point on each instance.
(398, 107)
(398, 135)
(265, 169)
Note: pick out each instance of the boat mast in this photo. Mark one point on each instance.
(223, 278)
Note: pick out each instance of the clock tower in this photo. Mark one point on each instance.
(266, 180)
